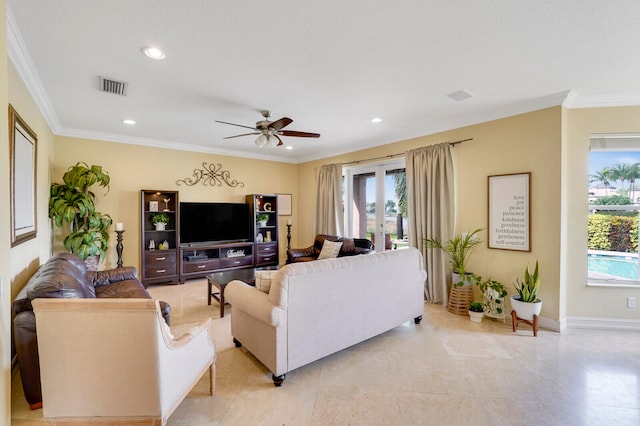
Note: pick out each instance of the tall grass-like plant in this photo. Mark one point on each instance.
(458, 249)
(528, 289)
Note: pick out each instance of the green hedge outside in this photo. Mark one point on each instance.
(613, 232)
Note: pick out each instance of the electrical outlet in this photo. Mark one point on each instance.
(631, 302)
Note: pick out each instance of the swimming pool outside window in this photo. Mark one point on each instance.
(614, 206)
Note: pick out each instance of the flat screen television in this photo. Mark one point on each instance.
(202, 223)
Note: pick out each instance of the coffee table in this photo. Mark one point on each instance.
(220, 280)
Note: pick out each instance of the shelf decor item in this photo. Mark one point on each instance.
(72, 202)
(160, 221)
(262, 219)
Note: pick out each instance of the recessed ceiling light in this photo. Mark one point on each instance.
(460, 95)
(376, 120)
(153, 52)
(129, 122)
(289, 147)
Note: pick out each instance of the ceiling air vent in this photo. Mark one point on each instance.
(113, 86)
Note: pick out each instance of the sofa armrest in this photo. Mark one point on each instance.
(111, 276)
(296, 252)
(253, 302)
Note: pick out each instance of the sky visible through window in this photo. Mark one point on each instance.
(598, 160)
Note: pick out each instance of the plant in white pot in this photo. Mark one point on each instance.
(476, 311)
(458, 249)
(160, 221)
(526, 305)
(493, 294)
(262, 219)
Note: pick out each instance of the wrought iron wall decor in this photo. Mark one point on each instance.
(210, 174)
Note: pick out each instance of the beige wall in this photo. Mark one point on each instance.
(133, 168)
(18, 263)
(26, 257)
(5, 238)
(523, 143)
(581, 300)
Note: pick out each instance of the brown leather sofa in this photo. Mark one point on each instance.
(350, 247)
(64, 275)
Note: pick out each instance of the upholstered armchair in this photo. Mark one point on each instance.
(115, 360)
(350, 247)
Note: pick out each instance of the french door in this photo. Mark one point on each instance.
(375, 204)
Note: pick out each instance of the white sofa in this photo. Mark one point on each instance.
(317, 308)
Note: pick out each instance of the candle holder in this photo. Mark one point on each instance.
(288, 236)
(119, 247)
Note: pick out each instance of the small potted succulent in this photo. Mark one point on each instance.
(160, 221)
(476, 311)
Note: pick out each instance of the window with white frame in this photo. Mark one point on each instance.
(614, 206)
(375, 203)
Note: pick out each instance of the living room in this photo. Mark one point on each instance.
(550, 141)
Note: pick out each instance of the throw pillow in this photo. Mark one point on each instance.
(330, 249)
(263, 280)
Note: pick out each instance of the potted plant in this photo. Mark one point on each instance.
(458, 249)
(476, 311)
(526, 303)
(493, 294)
(73, 203)
(262, 219)
(160, 221)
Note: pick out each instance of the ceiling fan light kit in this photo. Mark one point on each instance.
(270, 131)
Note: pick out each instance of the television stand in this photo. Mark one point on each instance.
(216, 257)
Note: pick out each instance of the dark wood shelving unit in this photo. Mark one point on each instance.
(266, 251)
(159, 266)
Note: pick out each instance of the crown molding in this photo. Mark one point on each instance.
(575, 100)
(19, 56)
(157, 143)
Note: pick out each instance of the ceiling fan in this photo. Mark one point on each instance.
(270, 131)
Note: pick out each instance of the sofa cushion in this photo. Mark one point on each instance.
(330, 249)
(263, 280)
(63, 276)
(123, 289)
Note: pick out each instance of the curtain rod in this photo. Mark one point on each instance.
(390, 156)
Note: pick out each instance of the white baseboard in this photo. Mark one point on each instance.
(603, 323)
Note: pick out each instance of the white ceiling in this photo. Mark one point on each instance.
(329, 65)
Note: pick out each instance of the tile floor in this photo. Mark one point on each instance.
(448, 370)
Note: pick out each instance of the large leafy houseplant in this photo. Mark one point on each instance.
(72, 203)
(458, 249)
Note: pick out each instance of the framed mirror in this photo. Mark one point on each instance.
(23, 147)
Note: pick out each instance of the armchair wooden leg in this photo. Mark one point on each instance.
(212, 378)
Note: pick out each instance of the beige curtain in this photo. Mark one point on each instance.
(431, 212)
(329, 211)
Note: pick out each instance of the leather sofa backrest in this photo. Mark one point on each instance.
(63, 276)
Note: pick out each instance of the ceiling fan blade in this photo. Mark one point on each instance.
(245, 134)
(239, 125)
(282, 123)
(299, 134)
(279, 140)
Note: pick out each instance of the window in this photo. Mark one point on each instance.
(614, 206)
(369, 187)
